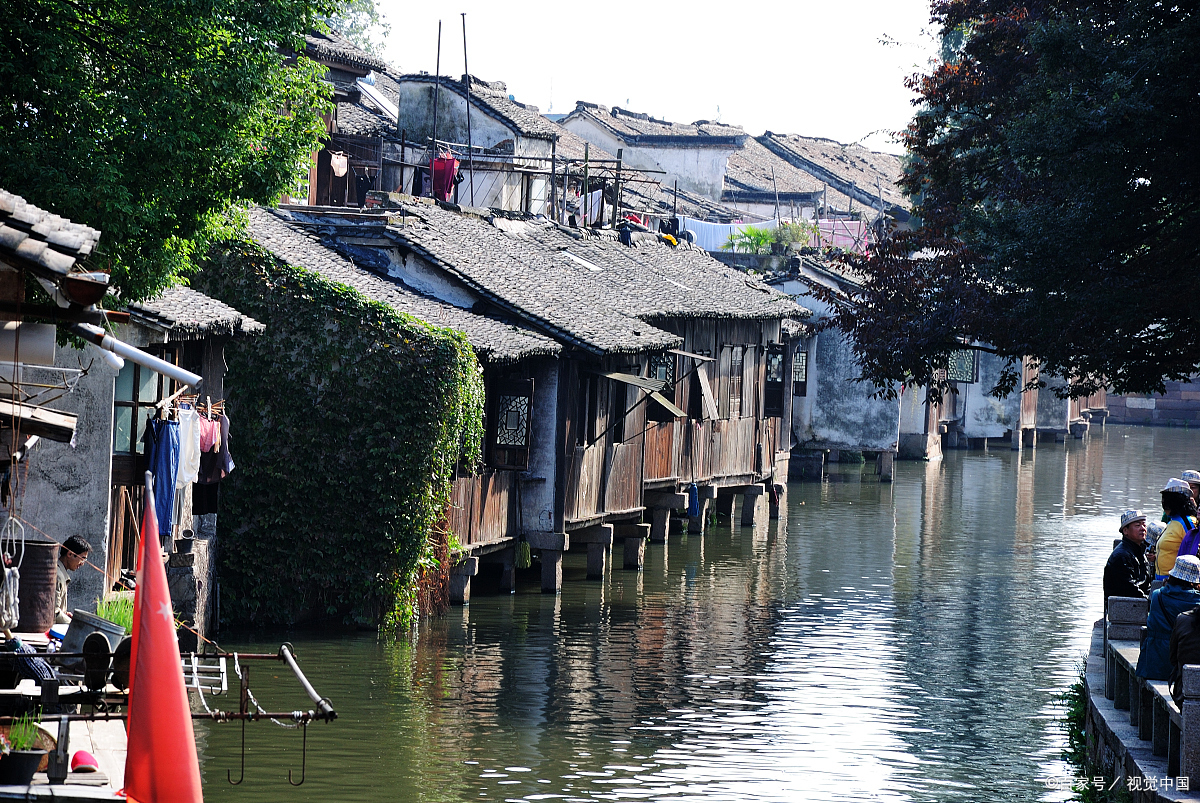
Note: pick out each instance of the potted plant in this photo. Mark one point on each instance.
(21, 756)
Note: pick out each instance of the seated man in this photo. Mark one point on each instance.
(1185, 649)
(1127, 574)
(73, 554)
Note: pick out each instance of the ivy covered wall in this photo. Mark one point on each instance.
(348, 418)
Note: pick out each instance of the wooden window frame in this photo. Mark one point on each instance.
(510, 456)
(773, 388)
(800, 373)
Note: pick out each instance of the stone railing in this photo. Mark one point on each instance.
(1172, 733)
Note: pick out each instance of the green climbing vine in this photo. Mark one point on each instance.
(349, 419)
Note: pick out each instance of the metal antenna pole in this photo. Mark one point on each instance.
(437, 93)
(467, 80)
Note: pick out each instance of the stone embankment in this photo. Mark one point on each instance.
(1137, 737)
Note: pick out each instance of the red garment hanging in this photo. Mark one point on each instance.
(445, 168)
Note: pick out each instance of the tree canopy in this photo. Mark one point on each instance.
(1051, 167)
(150, 121)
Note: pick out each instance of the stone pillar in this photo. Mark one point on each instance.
(723, 506)
(634, 536)
(460, 580)
(750, 504)
(707, 493)
(551, 571)
(659, 517)
(1017, 435)
(885, 464)
(551, 545)
(599, 540)
(776, 496)
(661, 505)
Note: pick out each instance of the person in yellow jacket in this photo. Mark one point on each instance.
(1182, 535)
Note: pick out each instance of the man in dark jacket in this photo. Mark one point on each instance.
(1127, 574)
(1185, 649)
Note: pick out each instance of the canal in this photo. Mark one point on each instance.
(904, 641)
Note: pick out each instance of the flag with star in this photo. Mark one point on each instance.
(161, 763)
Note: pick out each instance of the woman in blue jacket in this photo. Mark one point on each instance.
(1178, 594)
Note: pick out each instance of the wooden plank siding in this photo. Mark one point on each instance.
(483, 507)
(608, 470)
(662, 450)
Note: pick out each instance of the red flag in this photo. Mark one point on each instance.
(161, 763)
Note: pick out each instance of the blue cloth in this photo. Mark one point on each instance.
(162, 453)
(1166, 603)
(693, 500)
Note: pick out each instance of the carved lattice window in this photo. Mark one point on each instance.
(511, 411)
(773, 392)
(662, 368)
(800, 374)
(962, 366)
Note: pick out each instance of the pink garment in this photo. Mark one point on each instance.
(210, 435)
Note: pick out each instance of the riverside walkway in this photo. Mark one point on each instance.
(1136, 734)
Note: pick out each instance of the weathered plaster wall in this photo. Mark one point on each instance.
(416, 120)
(68, 487)
(424, 278)
(837, 412)
(537, 484)
(699, 169)
(985, 416)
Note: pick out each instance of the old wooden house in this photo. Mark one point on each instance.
(668, 372)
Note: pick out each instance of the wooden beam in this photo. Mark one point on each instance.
(50, 424)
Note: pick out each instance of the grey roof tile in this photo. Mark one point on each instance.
(494, 340)
(30, 236)
(640, 128)
(871, 172)
(587, 287)
(332, 46)
(358, 119)
(188, 314)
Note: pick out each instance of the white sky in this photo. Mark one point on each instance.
(804, 67)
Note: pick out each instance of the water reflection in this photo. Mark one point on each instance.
(889, 642)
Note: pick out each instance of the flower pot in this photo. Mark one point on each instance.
(17, 768)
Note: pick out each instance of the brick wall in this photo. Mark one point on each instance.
(1179, 406)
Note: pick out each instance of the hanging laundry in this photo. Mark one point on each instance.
(189, 445)
(712, 236)
(591, 205)
(227, 455)
(210, 434)
(445, 168)
(162, 454)
(204, 498)
(340, 163)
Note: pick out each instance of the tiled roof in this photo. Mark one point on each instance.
(32, 237)
(190, 315)
(492, 96)
(639, 128)
(333, 47)
(357, 118)
(870, 172)
(587, 287)
(493, 340)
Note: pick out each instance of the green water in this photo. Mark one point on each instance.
(886, 642)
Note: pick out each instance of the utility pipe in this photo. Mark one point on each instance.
(96, 335)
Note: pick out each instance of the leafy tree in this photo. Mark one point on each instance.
(150, 121)
(360, 22)
(1052, 164)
